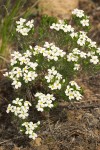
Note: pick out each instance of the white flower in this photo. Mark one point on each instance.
(71, 95)
(27, 103)
(94, 59)
(18, 101)
(13, 109)
(13, 61)
(82, 38)
(32, 74)
(72, 57)
(17, 84)
(33, 136)
(73, 34)
(84, 22)
(29, 129)
(46, 45)
(21, 21)
(78, 13)
(90, 54)
(16, 110)
(61, 26)
(18, 72)
(68, 28)
(76, 66)
(39, 108)
(57, 85)
(23, 31)
(19, 108)
(41, 103)
(81, 41)
(32, 65)
(50, 51)
(73, 83)
(16, 55)
(30, 47)
(25, 69)
(76, 51)
(92, 44)
(54, 75)
(23, 115)
(23, 60)
(6, 74)
(21, 71)
(83, 54)
(27, 77)
(44, 101)
(27, 54)
(50, 97)
(77, 95)
(73, 91)
(68, 89)
(9, 108)
(30, 23)
(11, 75)
(52, 71)
(19, 28)
(24, 28)
(52, 26)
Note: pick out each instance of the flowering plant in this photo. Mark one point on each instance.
(53, 67)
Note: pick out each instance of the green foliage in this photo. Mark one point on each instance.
(10, 12)
(50, 58)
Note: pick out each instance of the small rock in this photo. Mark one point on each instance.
(37, 142)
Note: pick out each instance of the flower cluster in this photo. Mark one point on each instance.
(75, 56)
(77, 12)
(84, 40)
(94, 58)
(22, 69)
(24, 27)
(73, 91)
(54, 79)
(30, 128)
(76, 66)
(50, 51)
(77, 52)
(19, 107)
(44, 101)
(84, 21)
(62, 26)
(80, 36)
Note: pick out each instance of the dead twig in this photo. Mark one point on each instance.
(81, 105)
(4, 59)
(21, 14)
(3, 70)
(6, 141)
